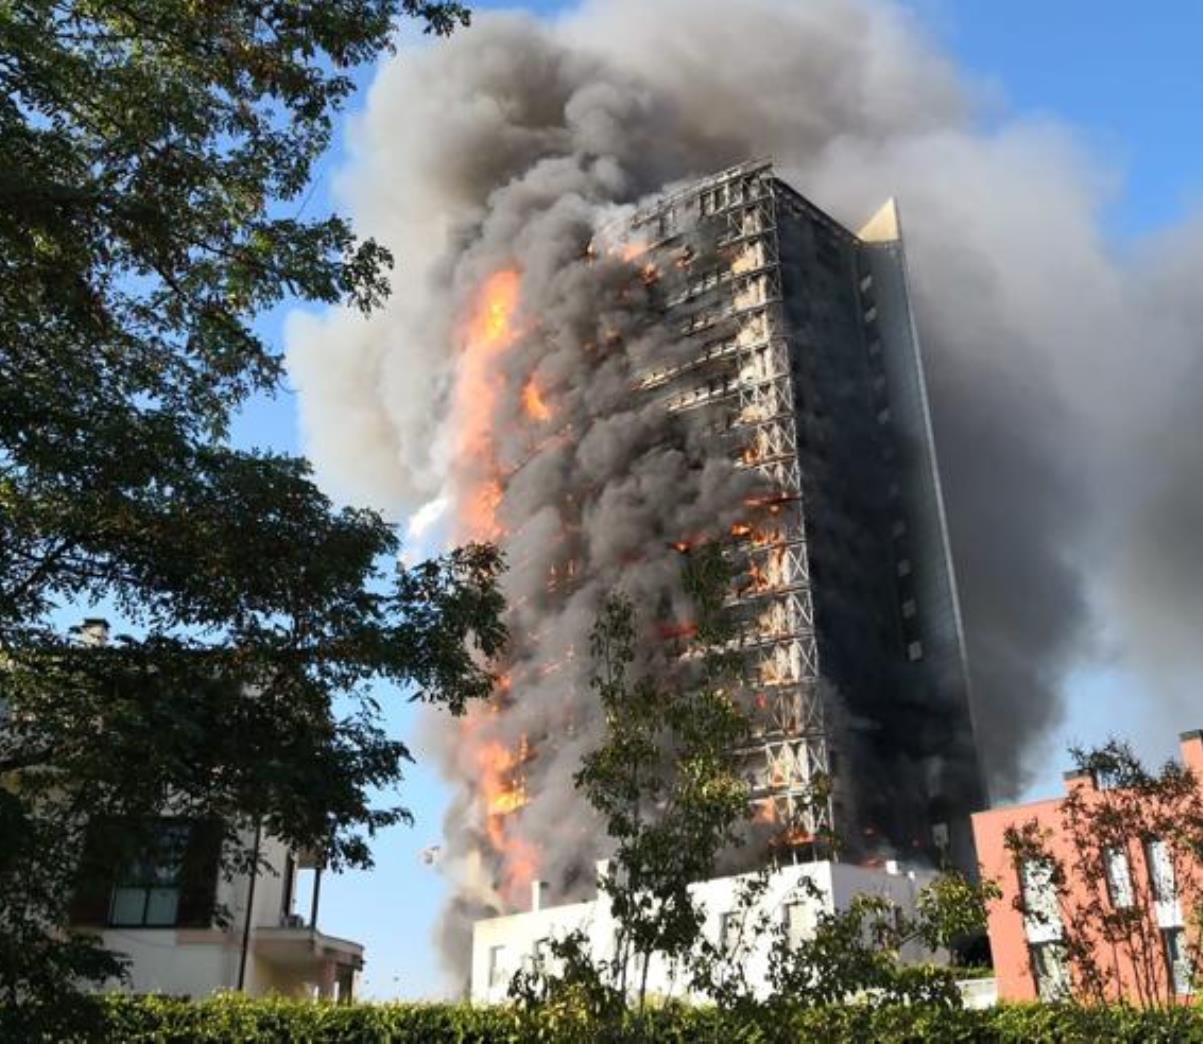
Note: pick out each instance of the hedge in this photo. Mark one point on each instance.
(234, 1018)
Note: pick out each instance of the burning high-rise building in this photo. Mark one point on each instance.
(726, 363)
(805, 355)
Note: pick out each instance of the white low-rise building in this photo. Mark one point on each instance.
(161, 915)
(502, 946)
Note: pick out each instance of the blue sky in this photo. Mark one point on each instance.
(1125, 78)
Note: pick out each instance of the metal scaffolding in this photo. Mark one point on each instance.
(733, 313)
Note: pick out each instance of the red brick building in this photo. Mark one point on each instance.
(1102, 889)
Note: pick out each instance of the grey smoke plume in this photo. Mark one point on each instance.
(1062, 376)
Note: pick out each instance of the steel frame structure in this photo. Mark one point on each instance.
(736, 317)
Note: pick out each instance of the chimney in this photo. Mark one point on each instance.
(1079, 779)
(94, 632)
(1191, 744)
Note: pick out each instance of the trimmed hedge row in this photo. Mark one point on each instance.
(234, 1018)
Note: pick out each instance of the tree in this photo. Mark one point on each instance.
(855, 953)
(665, 781)
(156, 154)
(1129, 845)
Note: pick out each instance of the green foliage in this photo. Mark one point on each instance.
(665, 780)
(156, 159)
(852, 954)
(142, 1020)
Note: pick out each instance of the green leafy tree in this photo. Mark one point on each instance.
(156, 159)
(852, 954)
(666, 783)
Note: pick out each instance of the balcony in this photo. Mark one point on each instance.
(297, 959)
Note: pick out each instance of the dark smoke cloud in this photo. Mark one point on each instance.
(1063, 377)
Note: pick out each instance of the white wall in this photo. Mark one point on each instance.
(515, 937)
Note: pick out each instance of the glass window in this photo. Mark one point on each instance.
(1039, 894)
(799, 923)
(1161, 870)
(147, 893)
(728, 930)
(496, 965)
(1177, 960)
(1119, 877)
(1050, 970)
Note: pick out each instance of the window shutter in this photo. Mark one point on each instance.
(89, 906)
(198, 875)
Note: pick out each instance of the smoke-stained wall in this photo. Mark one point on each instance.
(1062, 377)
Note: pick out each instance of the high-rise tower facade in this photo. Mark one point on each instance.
(808, 369)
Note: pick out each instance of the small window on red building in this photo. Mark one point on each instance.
(1177, 960)
(1161, 871)
(1119, 877)
(1050, 969)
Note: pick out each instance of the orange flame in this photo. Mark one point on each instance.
(668, 630)
(633, 249)
(488, 332)
(533, 404)
(765, 811)
(503, 789)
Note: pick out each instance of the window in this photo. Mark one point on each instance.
(904, 567)
(1040, 915)
(147, 891)
(729, 926)
(496, 965)
(1177, 960)
(1119, 877)
(799, 923)
(1050, 970)
(1161, 870)
(914, 651)
(909, 608)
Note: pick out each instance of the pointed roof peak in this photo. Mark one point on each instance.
(884, 226)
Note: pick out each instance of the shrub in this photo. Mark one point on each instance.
(142, 1020)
